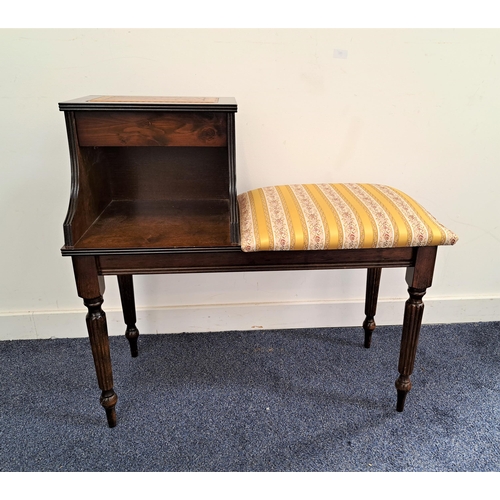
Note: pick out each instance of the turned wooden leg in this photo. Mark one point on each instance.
(372, 286)
(419, 278)
(126, 286)
(90, 287)
(98, 335)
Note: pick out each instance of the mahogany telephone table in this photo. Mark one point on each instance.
(153, 190)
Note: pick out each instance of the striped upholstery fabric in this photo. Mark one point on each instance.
(335, 216)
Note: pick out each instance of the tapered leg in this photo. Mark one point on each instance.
(372, 286)
(414, 310)
(126, 285)
(419, 278)
(98, 335)
(90, 287)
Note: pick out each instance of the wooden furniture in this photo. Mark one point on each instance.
(153, 191)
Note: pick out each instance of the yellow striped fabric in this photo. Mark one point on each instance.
(335, 216)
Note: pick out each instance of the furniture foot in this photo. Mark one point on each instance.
(132, 334)
(126, 286)
(372, 287)
(403, 386)
(108, 401)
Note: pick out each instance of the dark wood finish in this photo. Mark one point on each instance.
(90, 189)
(421, 273)
(89, 282)
(159, 224)
(141, 152)
(90, 287)
(234, 260)
(419, 278)
(124, 103)
(166, 173)
(130, 128)
(126, 286)
(372, 287)
(146, 174)
(233, 201)
(150, 195)
(98, 335)
(419, 261)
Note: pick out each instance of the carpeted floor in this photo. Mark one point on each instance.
(285, 400)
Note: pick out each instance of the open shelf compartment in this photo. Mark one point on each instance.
(150, 177)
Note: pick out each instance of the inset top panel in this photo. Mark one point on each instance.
(171, 100)
(150, 103)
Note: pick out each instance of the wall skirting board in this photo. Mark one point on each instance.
(245, 316)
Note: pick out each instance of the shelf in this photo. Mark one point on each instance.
(126, 224)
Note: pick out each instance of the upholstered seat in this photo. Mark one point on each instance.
(335, 216)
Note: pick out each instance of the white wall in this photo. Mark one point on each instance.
(416, 109)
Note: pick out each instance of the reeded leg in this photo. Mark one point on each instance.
(90, 287)
(126, 286)
(98, 335)
(372, 286)
(414, 310)
(419, 278)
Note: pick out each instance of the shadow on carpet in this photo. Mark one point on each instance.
(282, 400)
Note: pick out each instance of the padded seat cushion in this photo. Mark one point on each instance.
(335, 216)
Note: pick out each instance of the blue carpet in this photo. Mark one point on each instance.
(283, 400)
